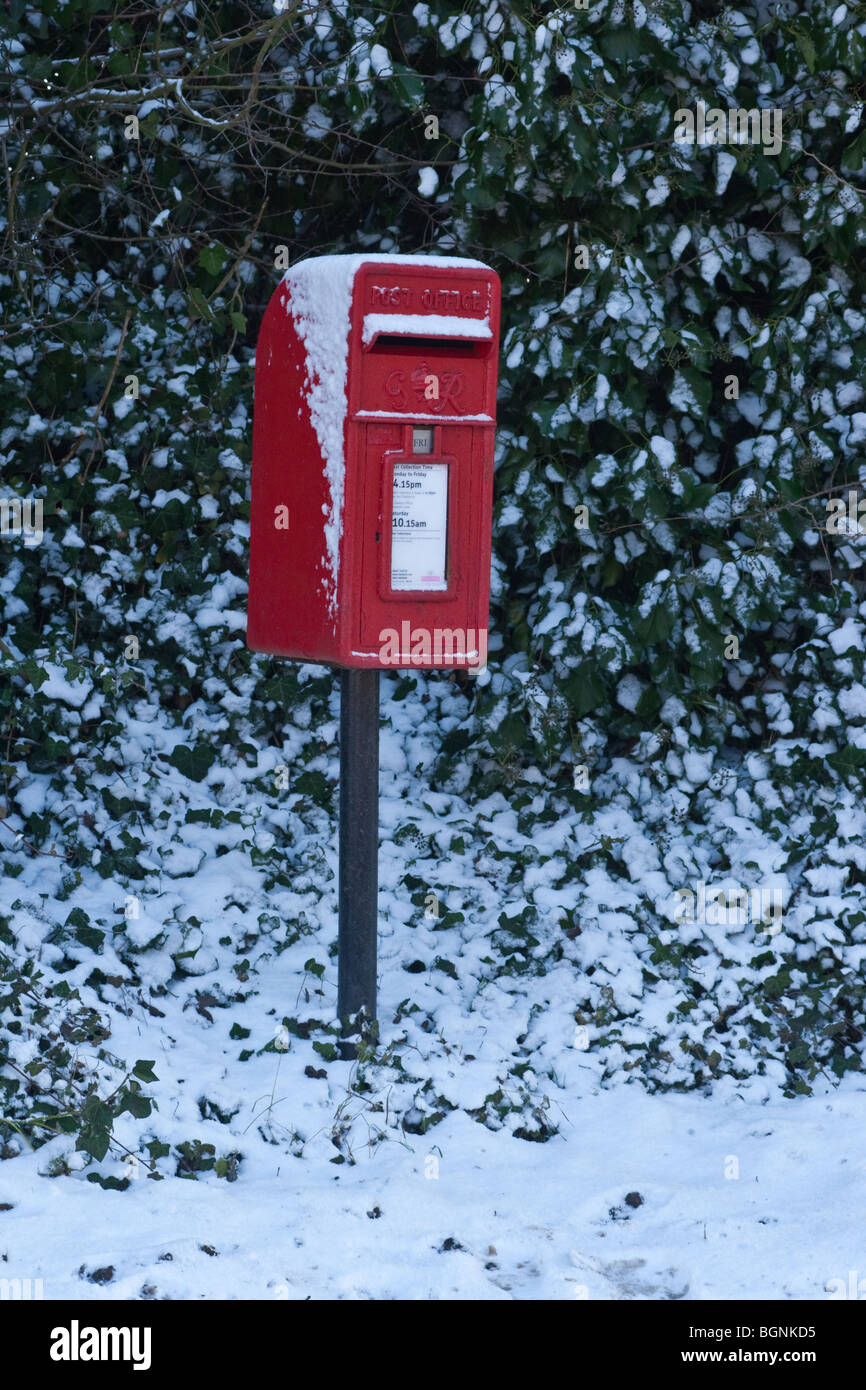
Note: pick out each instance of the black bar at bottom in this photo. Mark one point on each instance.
(359, 845)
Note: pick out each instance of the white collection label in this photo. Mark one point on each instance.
(419, 526)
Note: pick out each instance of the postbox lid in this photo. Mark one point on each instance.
(319, 299)
(424, 325)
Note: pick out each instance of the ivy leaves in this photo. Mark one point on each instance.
(193, 761)
(95, 1120)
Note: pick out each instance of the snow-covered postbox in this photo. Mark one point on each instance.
(372, 477)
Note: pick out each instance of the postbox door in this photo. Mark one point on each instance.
(411, 571)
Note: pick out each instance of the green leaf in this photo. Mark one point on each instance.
(138, 1105)
(477, 196)
(848, 759)
(799, 1054)
(144, 1071)
(95, 1133)
(313, 784)
(512, 732)
(201, 308)
(195, 763)
(447, 966)
(621, 45)
(34, 673)
(775, 986)
(700, 386)
(806, 47)
(109, 1183)
(409, 84)
(213, 258)
(855, 153)
(91, 937)
(584, 689)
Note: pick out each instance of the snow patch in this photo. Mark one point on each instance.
(320, 299)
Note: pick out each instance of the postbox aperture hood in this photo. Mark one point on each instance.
(319, 298)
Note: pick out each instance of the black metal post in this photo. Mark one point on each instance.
(359, 845)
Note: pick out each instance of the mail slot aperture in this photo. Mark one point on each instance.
(416, 344)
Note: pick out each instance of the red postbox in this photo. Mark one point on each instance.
(372, 478)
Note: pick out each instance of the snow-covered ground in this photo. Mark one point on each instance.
(469, 1214)
(534, 1124)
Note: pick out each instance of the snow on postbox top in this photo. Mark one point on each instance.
(372, 476)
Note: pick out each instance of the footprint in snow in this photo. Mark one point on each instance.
(629, 1278)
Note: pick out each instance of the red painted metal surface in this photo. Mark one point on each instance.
(426, 356)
